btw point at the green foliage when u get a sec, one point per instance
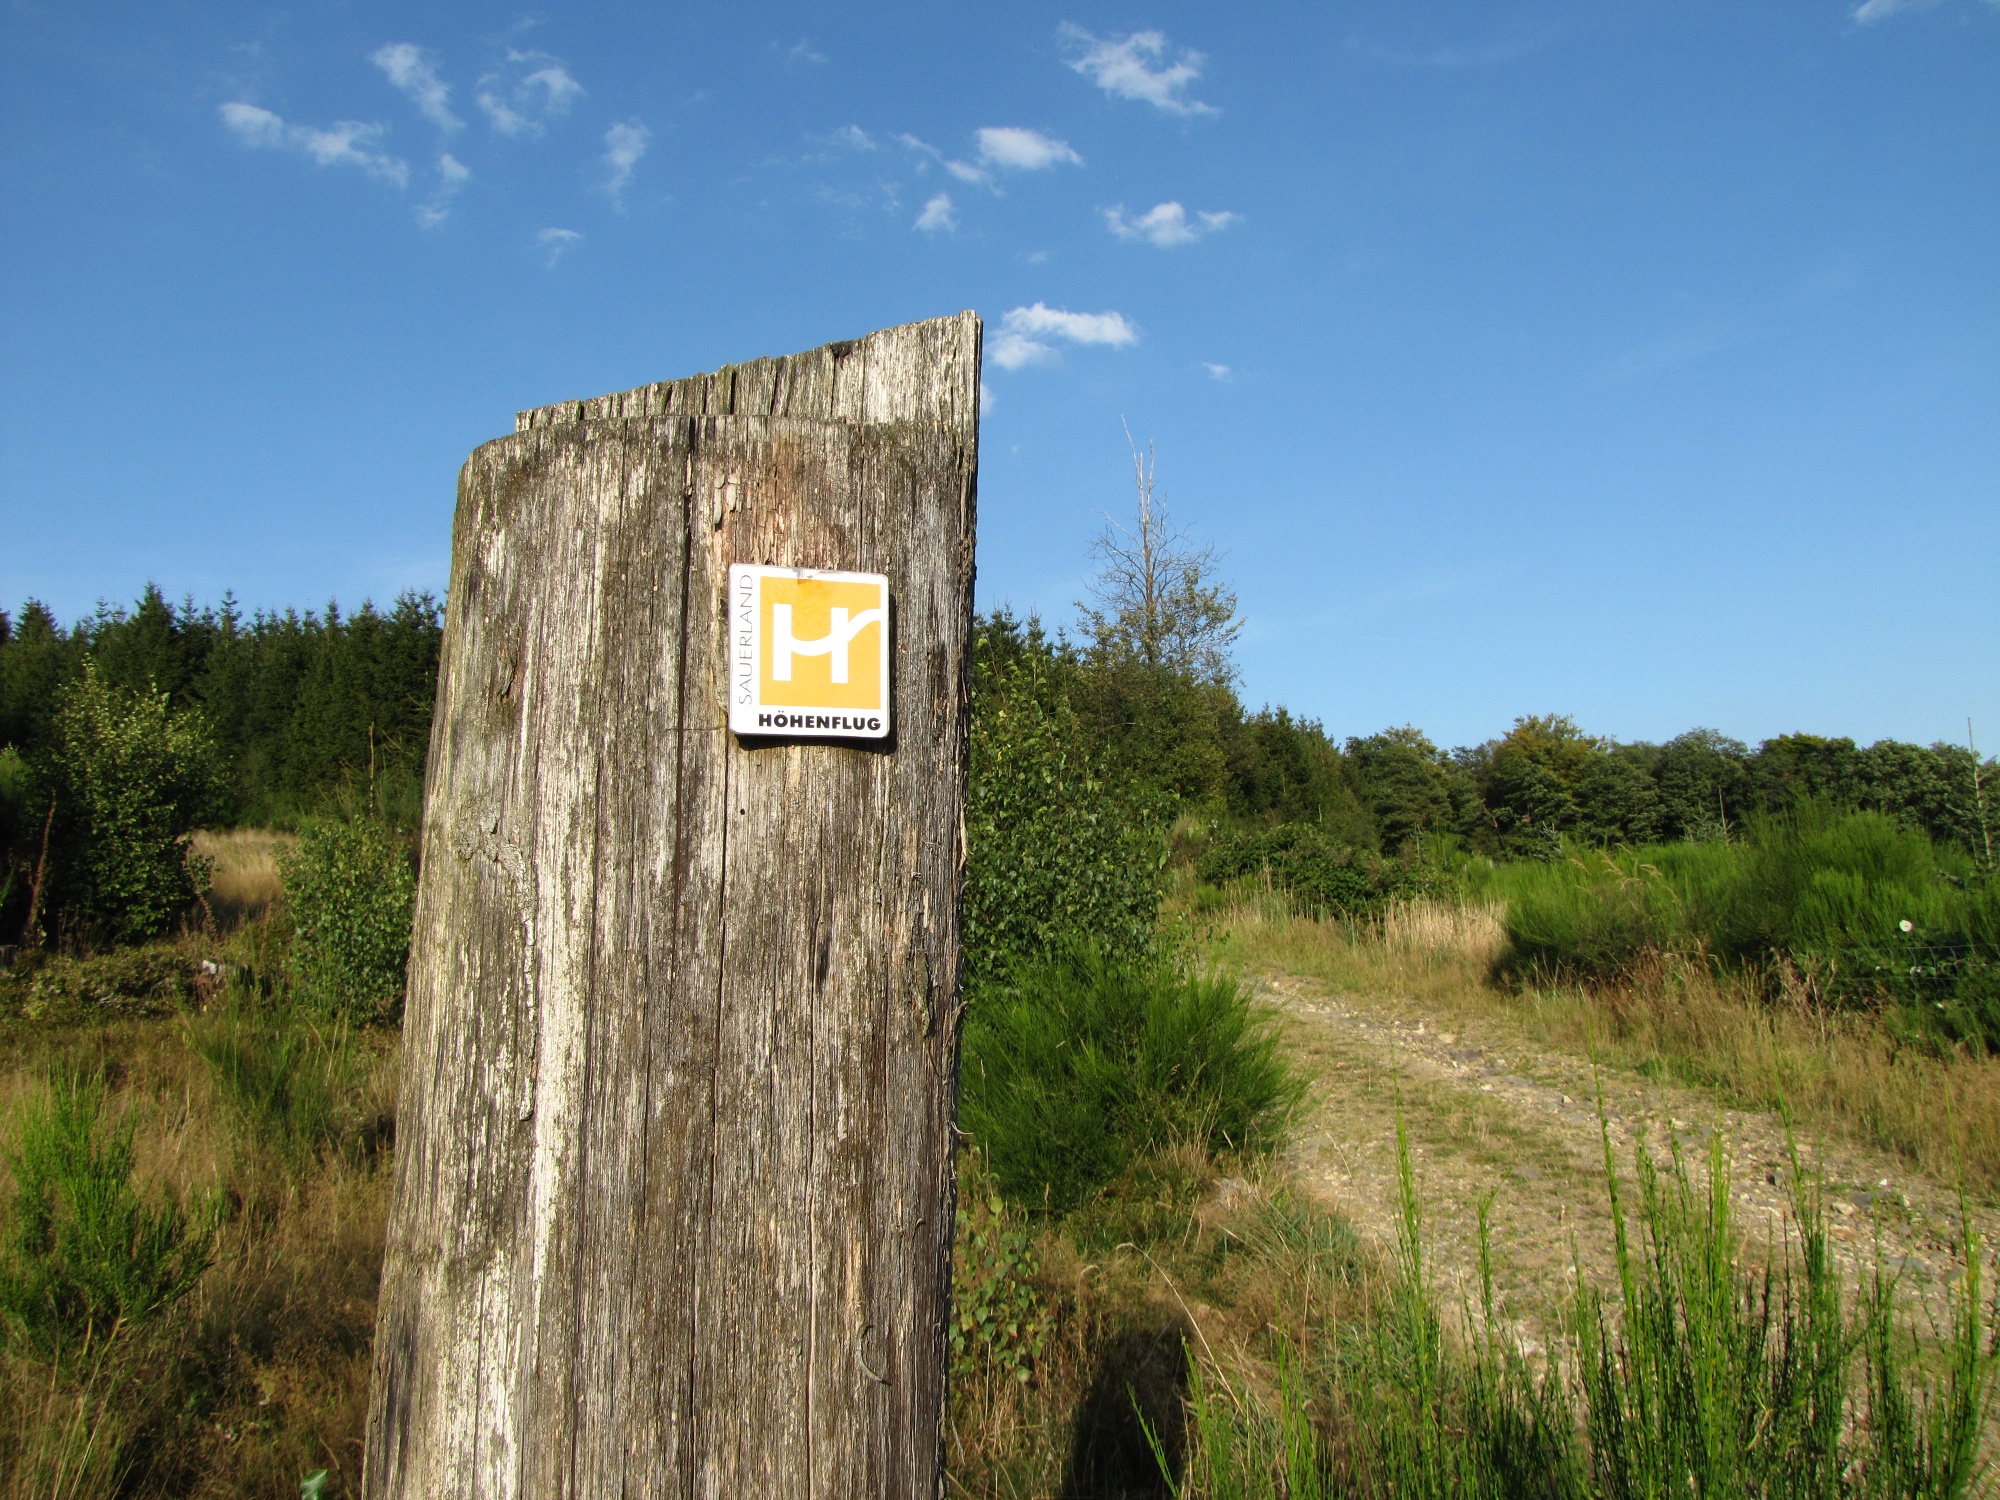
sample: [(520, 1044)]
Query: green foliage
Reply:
[(154, 980), (1868, 911), (1081, 1064), (1410, 788), (84, 1255), (999, 1319), (351, 895), (1057, 846), (129, 778), (1546, 780), (289, 1084), (1318, 872)]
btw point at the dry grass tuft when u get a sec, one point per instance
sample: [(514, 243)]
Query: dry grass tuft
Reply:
[(244, 880)]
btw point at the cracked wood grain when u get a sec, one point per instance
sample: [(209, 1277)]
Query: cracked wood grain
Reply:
[(673, 1200)]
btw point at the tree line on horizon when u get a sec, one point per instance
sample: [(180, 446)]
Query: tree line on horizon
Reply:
[(311, 712)]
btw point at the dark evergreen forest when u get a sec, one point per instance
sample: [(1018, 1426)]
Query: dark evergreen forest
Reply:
[(307, 708)]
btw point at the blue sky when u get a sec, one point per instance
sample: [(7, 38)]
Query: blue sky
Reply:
[(1639, 361)]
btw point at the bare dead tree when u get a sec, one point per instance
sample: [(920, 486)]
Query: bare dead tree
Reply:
[(1158, 599)]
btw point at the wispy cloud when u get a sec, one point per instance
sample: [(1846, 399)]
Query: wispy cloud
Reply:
[(1136, 67), (1018, 150), (556, 243), (1025, 331), (452, 175), (521, 97), (1002, 148), (1680, 347), (624, 144), (803, 53), (409, 70), (1218, 372), (1166, 224), (345, 143), (1871, 11), (938, 216)]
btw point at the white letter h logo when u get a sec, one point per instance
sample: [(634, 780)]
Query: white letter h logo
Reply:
[(784, 646)]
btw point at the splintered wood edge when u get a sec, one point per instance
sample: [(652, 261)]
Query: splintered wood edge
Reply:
[(918, 372)]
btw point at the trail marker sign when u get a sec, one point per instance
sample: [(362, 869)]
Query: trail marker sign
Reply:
[(809, 653)]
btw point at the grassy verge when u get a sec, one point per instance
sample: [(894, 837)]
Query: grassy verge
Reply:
[(266, 1134), (1849, 1073)]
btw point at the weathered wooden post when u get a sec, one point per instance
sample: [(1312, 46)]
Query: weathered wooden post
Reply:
[(673, 1199)]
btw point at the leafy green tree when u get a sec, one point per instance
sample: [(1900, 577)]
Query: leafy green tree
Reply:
[(129, 779), (1616, 801), (1796, 768), (1156, 692), (1286, 770), (1406, 784), (1704, 785), (1058, 845), (352, 896)]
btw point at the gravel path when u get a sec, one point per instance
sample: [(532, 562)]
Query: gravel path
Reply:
[(1488, 1111)]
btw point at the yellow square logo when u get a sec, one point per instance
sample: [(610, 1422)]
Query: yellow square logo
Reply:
[(809, 653)]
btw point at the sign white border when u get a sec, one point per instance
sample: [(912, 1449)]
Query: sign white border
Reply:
[(748, 713)]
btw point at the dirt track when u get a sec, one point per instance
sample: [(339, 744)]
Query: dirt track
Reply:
[(1490, 1112)]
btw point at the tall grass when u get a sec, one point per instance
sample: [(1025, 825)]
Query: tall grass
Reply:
[(85, 1255), (1711, 1380), (290, 1081), (256, 1374), (1083, 1064)]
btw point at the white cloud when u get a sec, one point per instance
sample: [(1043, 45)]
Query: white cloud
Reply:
[(1881, 10), (452, 175), (938, 215), (529, 91), (985, 398), (1127, 68), (1010, 148), (555, 243), (1020, 150), (1166, 224), (624, 144), (802, 52), (348, 143), (854, 138), (409, 70), (1024, 330), (1218, 372)]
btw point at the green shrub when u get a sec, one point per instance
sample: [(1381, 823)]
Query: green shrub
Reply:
[(83, 1255), (1316, 870), (129, 779), (351, 896), (154, 980), (1870, 912), (999, 1320), (1081, 1064), (1058, 848)]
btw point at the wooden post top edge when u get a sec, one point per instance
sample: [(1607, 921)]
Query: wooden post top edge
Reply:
[(867, 380)]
